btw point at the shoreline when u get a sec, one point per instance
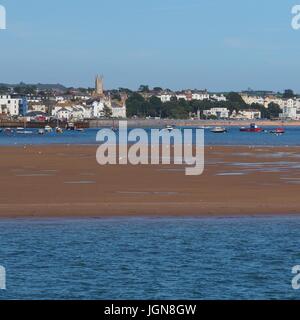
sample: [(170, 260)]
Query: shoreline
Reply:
[(65, 181), (147, 217), (155, 123)]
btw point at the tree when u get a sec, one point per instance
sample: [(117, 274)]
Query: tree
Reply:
[(235, 97), (134, 103), (3, 90), (144, 88), (158, 89), (125, 90), (274, 110), (288, 94), (156, 106)]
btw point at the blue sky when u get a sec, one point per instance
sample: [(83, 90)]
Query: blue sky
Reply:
[(214, 44)]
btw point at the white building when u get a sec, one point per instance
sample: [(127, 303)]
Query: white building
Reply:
[(119, 112), (218, 98), (165, 97), (200, 95), (248, 99), (38, 107), (250, 114), (290, 112), (181, 96), (9, 106), (221, 113), (71, 113)]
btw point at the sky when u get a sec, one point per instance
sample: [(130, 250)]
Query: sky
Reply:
[(206, 44)]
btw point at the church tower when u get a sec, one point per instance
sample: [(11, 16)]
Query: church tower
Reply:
[(99, 87)]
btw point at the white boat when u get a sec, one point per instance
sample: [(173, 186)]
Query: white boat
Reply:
[(169, 128), (59, 130), (41, 131), (218, 130), (48, 129), (23, 131)]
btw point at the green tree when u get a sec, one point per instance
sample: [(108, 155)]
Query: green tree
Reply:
[(134, 104), (144, 88), (288, 94), (274, 110)]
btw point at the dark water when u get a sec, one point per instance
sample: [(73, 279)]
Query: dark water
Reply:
[(233, 137), (150, 258)]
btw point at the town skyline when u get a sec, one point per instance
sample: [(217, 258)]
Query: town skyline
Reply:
[(41, 84)]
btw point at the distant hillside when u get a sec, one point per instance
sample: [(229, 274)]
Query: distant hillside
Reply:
[(39, 86)]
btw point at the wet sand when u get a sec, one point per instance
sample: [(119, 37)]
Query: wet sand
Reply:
[(63, 181)]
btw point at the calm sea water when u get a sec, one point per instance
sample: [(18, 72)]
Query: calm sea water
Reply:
[(150, 258), (233, 137)]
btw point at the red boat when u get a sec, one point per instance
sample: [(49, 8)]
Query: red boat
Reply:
[(278, 131), (253, 128)]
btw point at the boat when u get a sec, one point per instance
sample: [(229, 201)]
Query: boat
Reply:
[(70, 126), (80, 130), (278, 131), (205, 127), (23, 131), (8, 130), (48, 129), (169, 128), (59, 130), (218, 130), (41, 131), (253, 128)]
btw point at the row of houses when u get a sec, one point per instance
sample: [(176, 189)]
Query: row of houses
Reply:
[(290, 107), (62, 108), (224, 113), (190, 95)]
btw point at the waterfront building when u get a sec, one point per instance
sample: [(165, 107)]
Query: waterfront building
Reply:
[(290, 113), (9, 105), (220, 113), (249, 114)]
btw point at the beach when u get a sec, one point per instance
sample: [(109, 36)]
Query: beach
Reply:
[(66, 181)]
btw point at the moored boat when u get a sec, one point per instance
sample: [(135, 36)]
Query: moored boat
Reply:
[(48, 129), (169, 128), (278, 131), (23, 131), (59, 130), (218, 130), (253, 128), (8, 130), (70, 126)]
